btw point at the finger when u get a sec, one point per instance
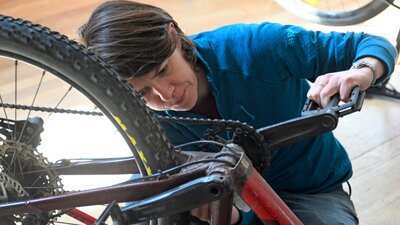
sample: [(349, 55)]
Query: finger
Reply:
[(315, 92), (206, 212), (344, 92), (326, 94), (235, 215), (202, 212), (195, 212)]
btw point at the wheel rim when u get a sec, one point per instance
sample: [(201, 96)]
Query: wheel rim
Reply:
[(335, 13)]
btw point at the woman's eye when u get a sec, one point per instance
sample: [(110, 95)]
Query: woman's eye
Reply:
[(163, 70), (142, 93)]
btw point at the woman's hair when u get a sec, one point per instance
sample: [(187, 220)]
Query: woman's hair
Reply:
[(132, 37)]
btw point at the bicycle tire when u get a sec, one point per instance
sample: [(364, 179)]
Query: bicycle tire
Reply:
[(334, 18), (39, 46)]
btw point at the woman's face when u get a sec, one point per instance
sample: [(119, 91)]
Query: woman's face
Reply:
[(172, 86)]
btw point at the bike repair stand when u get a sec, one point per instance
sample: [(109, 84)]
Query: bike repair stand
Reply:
[(386, 89)]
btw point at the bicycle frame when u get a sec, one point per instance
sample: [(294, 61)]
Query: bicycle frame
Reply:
[(205, 178)]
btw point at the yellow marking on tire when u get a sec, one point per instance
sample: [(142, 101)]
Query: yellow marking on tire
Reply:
[(120, 123), (133, 141), (144, 160)]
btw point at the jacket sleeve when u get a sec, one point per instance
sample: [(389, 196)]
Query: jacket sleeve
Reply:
[(308, 54), (277, 52), (317, 53)]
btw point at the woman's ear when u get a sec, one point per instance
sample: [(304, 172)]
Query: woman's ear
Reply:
[(171, 28)]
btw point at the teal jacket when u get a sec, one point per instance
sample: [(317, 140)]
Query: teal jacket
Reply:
[(258, 74)]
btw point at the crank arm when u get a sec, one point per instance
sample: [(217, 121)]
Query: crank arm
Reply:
[(283, 134), (182, 198), (313, 121)]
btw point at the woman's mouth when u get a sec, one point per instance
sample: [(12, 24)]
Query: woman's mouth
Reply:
[(181, 99)]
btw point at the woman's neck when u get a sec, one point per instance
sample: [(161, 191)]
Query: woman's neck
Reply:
[(203, 88), (207, 107), (206, 104)]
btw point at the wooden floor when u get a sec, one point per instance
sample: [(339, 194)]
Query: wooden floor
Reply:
[(372, 137)]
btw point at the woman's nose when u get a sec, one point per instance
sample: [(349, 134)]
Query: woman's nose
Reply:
[(163, 91)]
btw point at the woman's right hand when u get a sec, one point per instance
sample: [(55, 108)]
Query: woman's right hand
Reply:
[(204, 213)]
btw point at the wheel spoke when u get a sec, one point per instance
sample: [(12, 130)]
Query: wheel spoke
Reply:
[(62, 99), (15, 95), (32, 103)]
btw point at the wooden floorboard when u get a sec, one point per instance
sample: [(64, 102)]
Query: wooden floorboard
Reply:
[(372, 136), (377, 168)]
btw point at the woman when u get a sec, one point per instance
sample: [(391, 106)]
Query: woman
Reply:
[(254, 73)]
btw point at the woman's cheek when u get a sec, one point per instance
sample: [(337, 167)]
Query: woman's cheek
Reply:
[(154, 104)]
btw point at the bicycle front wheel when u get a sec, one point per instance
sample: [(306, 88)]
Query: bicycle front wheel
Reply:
[(61, 105), (335, 13)]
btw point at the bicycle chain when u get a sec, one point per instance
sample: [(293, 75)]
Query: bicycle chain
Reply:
[(244, 135), (47, 109)]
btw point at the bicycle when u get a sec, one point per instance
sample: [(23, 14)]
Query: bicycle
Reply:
[(337, 13), (344, 13), (31, 188)]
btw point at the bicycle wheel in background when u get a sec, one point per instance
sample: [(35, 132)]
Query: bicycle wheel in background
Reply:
[(58, 101), (336, 12)]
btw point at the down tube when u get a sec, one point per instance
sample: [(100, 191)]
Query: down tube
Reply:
[(267, 205)]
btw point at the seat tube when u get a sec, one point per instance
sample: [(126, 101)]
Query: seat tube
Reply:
[(264, 201), (259, 195)]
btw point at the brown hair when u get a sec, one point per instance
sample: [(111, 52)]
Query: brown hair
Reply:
[(132, 37)]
